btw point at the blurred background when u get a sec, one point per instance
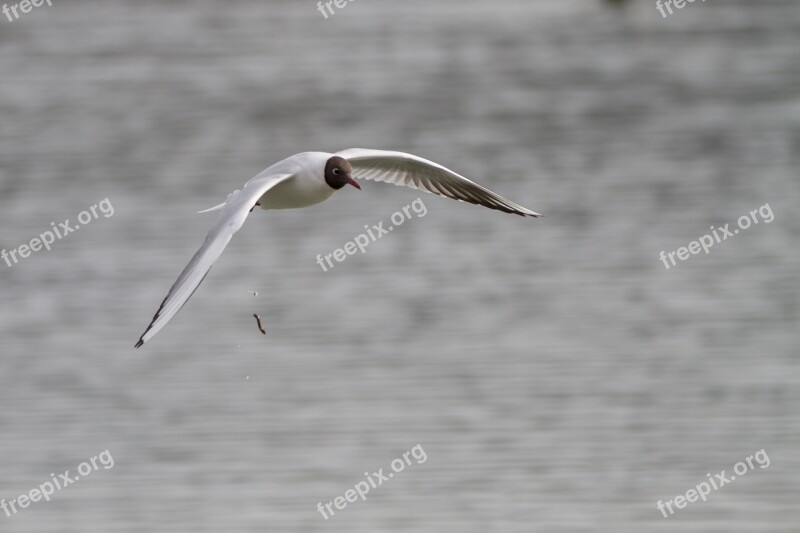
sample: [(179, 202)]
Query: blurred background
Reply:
[(558, 377)]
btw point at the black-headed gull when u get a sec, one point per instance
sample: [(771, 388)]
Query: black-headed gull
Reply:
[(309, 178)]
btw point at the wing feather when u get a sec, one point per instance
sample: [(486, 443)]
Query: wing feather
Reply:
[(234, 213), (415, 172)]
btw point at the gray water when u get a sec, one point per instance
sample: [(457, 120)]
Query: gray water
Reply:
[(558, 377)]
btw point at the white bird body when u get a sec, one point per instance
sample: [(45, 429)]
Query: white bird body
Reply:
[(309, 178), (308, 187)]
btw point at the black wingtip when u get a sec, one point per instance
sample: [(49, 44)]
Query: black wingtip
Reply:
[(139, 344)]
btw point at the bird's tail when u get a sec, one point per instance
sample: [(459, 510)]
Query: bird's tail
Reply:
[(215, 208)]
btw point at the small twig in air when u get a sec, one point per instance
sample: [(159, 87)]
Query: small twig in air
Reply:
[(258, 322)]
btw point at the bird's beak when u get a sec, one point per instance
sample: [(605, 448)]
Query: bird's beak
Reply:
[(353, 182)]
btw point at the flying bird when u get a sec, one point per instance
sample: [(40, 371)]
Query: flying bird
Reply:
[(309, 178)]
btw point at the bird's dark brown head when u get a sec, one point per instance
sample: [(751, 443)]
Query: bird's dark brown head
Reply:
[(337, 173)]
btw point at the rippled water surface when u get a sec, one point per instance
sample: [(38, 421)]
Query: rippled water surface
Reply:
[(558, 377)]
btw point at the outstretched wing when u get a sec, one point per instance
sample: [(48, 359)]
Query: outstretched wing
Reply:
[(235, 211), (418, 173)]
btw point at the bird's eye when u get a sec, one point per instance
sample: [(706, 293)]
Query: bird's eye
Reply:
[(336, 171)]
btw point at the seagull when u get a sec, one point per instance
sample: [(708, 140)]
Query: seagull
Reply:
[(309, 178)]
